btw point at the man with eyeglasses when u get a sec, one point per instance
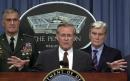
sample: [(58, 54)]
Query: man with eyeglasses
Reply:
[(17, 50)]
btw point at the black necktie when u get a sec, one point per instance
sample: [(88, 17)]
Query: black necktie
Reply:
[(65, 60), (95, 58), (12, 43)]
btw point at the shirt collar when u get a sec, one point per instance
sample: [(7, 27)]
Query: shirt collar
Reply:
[(99, 49), (15, 37), (62, 51)]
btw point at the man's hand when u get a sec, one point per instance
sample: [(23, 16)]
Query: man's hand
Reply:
[(118, 65), (17, 62)]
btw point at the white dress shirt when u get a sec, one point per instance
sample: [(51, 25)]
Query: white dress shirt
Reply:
[(69, 56), (15, 39)]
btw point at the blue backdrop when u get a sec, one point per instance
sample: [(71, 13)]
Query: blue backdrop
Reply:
[(115, 12)]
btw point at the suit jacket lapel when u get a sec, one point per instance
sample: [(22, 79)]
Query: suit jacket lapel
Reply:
[(75, 60), (56, 58), (102, 58), (90, 51)]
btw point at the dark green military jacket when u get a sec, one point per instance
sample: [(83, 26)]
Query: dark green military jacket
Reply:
[(26, 48)]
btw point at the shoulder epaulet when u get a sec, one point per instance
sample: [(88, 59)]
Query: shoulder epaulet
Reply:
[(27, 35)]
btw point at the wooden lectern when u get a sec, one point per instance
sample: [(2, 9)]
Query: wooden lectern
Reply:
[(38, 76)]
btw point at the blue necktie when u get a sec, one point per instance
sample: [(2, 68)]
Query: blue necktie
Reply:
[(95, 62)]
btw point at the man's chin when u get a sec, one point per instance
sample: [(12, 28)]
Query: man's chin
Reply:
[(66, 48), (12, 32), (97, 45)]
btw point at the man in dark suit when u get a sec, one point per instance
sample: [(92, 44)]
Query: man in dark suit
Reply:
[(104, 55), (56, 58), (17, 50)]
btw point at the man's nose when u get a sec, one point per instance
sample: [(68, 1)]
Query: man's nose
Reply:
[(66, 37), (12, 21), (97, 36)]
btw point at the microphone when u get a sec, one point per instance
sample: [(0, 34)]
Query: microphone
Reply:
[(61, 63), (64, 64)]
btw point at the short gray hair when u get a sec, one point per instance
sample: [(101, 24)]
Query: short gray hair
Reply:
[(98, 25), (66, 24), (10, 10)]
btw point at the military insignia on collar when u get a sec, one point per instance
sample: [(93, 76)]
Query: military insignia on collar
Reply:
[(26, 50), (63, 74)]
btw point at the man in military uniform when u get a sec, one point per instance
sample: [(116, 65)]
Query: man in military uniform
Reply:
[(17, 50)]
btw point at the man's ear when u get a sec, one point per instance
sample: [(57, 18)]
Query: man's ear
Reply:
[(2, 22), (89, 34), (74, 38), (105, 37)]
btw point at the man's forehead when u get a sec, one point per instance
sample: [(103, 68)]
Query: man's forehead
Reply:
[(10, 15)]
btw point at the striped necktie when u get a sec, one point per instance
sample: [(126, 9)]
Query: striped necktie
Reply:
[(95, 58)]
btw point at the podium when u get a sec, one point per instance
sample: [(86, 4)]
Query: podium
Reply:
[(38, 76)]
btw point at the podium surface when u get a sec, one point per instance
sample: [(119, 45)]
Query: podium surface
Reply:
[(38, 76)]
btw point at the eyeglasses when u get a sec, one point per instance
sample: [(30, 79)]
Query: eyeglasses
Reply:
[(14, 19), (66, 35)]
